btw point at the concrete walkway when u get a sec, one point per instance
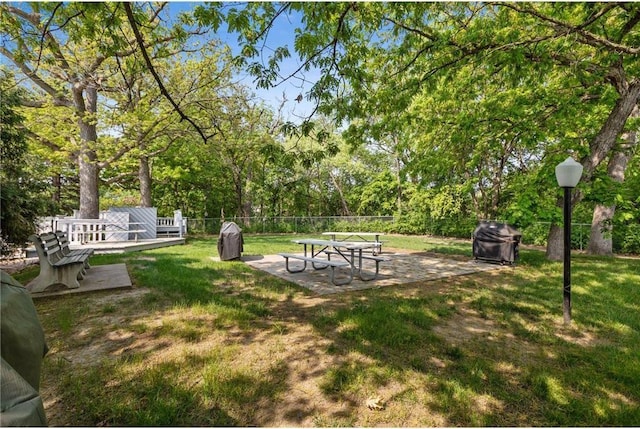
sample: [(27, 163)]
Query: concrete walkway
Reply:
[(402, 268)]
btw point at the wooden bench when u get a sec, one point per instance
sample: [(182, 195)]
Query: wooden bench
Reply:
[(66, 250), (324, 263), (55, 267), (167, 230), (375, 258)]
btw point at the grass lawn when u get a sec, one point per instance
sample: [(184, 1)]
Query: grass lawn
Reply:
[(205, 343)]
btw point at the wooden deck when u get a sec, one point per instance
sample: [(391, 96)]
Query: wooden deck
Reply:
[(118, 246), (130, 246)]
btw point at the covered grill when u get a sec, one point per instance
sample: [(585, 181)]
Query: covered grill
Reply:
[(230, 242), (497, 242)]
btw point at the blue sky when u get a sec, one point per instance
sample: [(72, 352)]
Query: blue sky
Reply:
[(282, 35)]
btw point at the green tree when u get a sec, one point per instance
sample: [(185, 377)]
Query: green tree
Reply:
[(145, 123), (20, 192), (69, 52), (376, 57)]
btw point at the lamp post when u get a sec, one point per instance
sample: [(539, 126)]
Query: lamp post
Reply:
[(568, 175)]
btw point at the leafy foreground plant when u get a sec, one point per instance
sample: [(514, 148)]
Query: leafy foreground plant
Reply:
[(205, 343)]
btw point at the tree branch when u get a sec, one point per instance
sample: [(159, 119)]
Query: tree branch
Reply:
[(58, 99), (588, 37), (163, 90), (629, 25), (34, 20), (44, 141)]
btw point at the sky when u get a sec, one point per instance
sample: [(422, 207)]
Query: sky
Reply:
[(290, 90)]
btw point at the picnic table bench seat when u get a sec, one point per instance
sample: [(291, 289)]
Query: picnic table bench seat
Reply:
[(372, 257), (56, 268), (323, 263)]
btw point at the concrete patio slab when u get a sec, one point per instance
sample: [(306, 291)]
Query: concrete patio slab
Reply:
[(98, 278), (401, 268)]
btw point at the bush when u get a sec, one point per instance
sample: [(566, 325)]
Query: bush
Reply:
[(626, 239), (535, 234)]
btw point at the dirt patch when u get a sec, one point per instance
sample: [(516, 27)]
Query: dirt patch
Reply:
[(581, 338), (285, 345), (466, 326), (115, 298)]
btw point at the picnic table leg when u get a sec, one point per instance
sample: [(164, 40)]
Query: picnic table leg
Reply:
[(363, 277), (347, 281), (333, 272), (313, 255), (304, 266), (353, 262)]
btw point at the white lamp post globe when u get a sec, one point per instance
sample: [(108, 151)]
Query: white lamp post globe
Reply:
[(568, 173)]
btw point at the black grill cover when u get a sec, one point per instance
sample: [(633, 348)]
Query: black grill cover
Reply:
[(230, 242), (498, 242)]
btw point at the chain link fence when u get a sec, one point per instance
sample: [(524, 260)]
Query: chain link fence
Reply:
[(534, 234), (290, 224)]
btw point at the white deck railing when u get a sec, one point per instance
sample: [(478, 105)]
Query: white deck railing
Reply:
[(82, 231)]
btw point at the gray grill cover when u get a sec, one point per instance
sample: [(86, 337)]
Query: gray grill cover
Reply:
[(497, 242), (22, 348), (230, 242)]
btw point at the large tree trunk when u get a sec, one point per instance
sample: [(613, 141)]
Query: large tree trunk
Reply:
[(603, 143), (88, 172), (600, 240), (144, 177), (57, 186), (399, 207), (555, 243), (87, 158)]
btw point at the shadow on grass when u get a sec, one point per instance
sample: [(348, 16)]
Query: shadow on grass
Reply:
[(503, 349), (478, 350)]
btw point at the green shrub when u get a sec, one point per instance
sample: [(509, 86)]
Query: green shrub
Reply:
[(535, 234), (626, 239)]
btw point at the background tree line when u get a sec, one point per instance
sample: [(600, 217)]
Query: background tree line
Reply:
[(446, 111)]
